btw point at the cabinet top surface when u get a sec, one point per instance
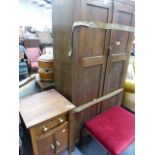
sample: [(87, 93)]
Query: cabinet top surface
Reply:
[(43, 106)]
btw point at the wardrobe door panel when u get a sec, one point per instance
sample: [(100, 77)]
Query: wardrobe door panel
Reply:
[(95, 10), (88, 74), (89, 61), (90, 52), (119, 50), (90, 48)]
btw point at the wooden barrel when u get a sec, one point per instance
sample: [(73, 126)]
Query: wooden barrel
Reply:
[(45, 64)]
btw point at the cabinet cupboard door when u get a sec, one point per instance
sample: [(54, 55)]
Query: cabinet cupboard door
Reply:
[(120, 47), (61, 138), (45, 144)]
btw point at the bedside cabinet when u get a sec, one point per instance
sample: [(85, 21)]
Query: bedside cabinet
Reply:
[(49, 119)]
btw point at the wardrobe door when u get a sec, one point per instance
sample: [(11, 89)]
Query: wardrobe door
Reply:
[(89, 56), (119, 52)]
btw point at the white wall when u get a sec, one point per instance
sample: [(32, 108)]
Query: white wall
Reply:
[(32, 15)]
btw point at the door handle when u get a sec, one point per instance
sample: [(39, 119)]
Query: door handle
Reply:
[(45, 128), (53, 148), (109, 50), (58, 143)]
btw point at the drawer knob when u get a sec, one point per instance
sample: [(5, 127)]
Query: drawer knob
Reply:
[(64, 130), (58, 143), (45, 128), (61, 120), (52, 146)]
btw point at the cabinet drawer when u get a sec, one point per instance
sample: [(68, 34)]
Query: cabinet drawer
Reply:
[(61, 138), (46, 126)]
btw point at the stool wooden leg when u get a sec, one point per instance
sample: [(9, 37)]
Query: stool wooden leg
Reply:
[(82, 137)]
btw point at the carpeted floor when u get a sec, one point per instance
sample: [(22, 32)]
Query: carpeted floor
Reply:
[(91, 148)]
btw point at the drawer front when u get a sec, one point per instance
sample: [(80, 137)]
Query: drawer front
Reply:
[(46, 126), (61, 138), (45, 144)]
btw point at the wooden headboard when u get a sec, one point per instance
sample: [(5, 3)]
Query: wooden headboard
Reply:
[(31, 43)]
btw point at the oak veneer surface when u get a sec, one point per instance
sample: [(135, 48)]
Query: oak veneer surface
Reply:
[(40, 107), (99, 59)]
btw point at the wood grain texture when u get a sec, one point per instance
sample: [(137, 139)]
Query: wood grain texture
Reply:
[(49, 124), (95, 101), (120, 44), (40, 107), (81, 78), (72, 122), (57, 136), (91, 61), (62, 20), (87, 82), (44, 64)]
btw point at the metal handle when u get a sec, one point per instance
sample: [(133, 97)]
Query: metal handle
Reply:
[(45, 128), (58, 143), (109, 50), (64, 130), (52, 146), (61, 120)]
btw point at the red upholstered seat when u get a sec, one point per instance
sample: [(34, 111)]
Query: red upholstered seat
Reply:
[(114, 128)]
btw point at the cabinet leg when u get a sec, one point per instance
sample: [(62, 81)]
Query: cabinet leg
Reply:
[(71, 133)]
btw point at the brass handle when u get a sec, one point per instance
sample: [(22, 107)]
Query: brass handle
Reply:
[(61, 120), (52, 146), (58, 143), (64, 130), (45, 128)]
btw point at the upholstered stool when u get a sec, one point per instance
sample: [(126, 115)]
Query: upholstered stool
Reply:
[(114, 129)]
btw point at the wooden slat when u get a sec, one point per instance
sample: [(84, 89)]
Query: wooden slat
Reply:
[(27, 80), (91, 103), (119, 57), (91, 61)]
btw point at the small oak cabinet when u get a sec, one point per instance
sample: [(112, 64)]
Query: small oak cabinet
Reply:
[(48, 117)]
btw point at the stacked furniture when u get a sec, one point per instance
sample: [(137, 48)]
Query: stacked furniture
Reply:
[(45, 64), (91, 57)]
